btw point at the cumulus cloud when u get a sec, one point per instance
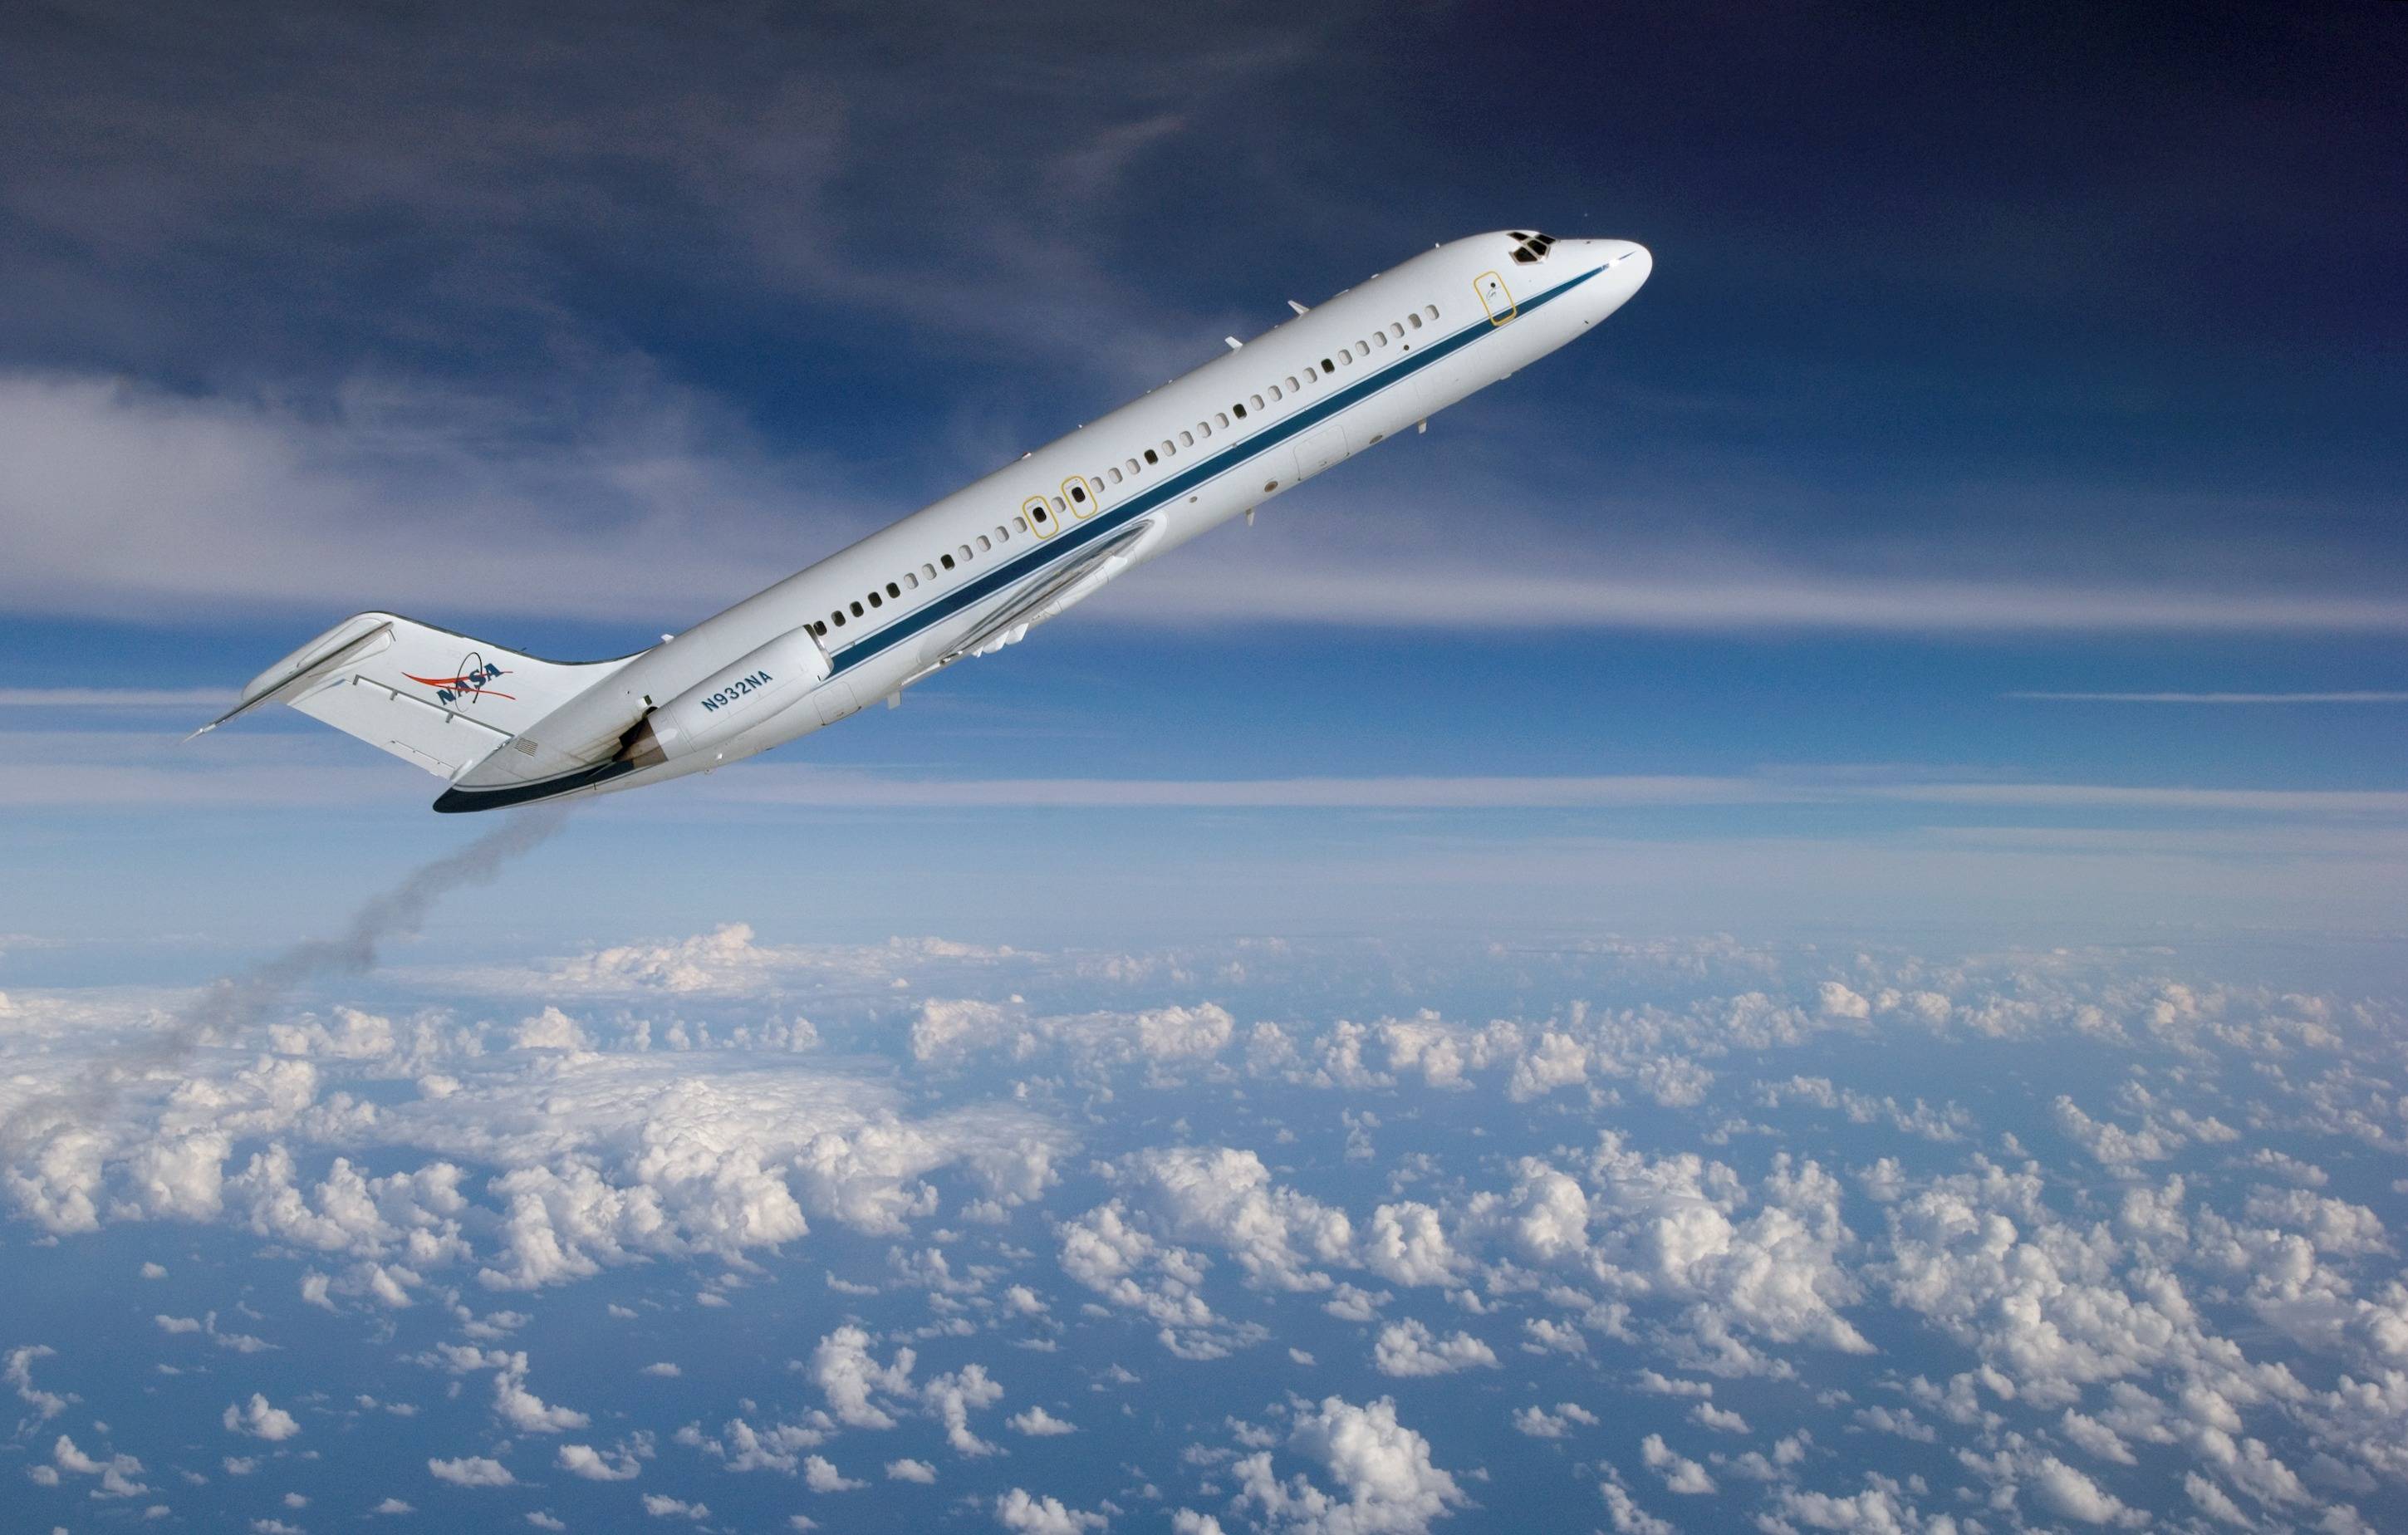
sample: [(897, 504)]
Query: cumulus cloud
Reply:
[(521, 1409), (1022, 1512), (1371, 1474), (260, 1420), (1538, 1422), (1410, 1348), (117, 1474), (586, 1461), (821, 1475), (474, 1470), (1039, 1424), (1678, 1472)]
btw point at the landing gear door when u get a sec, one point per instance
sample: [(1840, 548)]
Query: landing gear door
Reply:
[(1494, 298)]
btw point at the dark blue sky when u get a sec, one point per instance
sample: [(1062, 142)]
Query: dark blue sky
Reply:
[(2053, 350)]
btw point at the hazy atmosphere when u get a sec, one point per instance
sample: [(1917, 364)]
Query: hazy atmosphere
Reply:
[(1790, 921)]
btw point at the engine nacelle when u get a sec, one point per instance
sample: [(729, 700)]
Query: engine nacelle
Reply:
[(730, 701)]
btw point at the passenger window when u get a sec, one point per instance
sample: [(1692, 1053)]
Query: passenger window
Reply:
[(1188, 439), (948, 559), (984, 545), (892, 590), (1168, 450), (1224, 417), (874, 602), (1414, 321), (1345, 359), (929, 571), (1241, 411), (1114, 475), (1380, 336), (966, 554), (1430, 310), (1362, 351), (1275, 393), (1258, 399), (1078, 495), (1329, 367), (857, 610), (1203, 429), (1002, 535), (1291, 385), (1150, 457), (1396, 330), (1058, 506), (1134, 467), (839, 616)]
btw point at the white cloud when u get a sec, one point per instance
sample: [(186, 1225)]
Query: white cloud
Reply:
[(260, 1420), (777, 1447), (1038, 1424), (1538, 1422), (593, 1466), (821, 1475), (1379, 1474), (2070, 1495), (1410, 1348), (1020, 1511), (472, 1471), (911, 1471), (855, 1383), (662, 1507), (117, 1474), (523, 1409), (1407, 1244), (1679, 1473), (952, 1398)]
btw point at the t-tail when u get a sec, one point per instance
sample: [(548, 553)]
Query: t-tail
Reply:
[(437, 700)]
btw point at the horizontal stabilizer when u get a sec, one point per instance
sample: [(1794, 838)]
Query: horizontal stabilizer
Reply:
[(434, 698)]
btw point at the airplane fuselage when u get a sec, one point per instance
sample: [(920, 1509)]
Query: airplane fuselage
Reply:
[(973, 571)]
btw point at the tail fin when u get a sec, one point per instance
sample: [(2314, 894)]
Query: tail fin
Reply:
[(440, 700)]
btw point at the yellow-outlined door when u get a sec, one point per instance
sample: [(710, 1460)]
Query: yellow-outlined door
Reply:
[(1084, 498), (1039, 515), (1496, 298)]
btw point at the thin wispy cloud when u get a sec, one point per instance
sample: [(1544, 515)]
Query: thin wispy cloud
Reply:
[(2361, 697), (112, 697)]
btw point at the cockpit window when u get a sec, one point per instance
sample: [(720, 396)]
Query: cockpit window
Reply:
[(1533, 248)]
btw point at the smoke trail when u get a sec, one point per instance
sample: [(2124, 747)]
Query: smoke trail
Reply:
[(232, 1003)]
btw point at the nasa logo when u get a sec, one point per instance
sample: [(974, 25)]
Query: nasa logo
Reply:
[(467, 683)]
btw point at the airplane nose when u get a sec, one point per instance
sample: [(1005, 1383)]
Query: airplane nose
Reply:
[(1627, 260)]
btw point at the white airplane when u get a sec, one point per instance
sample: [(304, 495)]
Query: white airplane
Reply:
[(975, 571)]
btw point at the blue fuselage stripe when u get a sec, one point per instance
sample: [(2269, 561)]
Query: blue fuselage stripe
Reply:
[(1080, 535)]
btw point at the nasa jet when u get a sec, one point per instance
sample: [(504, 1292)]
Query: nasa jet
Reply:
[(975, 571)]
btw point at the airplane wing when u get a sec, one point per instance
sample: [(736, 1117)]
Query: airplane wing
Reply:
[(1057, 590)]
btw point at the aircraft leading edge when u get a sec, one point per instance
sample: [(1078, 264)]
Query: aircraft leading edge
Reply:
[(976, 570)]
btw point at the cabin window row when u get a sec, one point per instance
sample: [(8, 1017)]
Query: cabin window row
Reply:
[(911, 580), (1397, 330), (1081, 503)]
